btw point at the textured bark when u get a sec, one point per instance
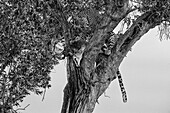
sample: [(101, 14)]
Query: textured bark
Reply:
[(87, 82)]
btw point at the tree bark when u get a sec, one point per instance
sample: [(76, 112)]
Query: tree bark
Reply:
[(87, 82)]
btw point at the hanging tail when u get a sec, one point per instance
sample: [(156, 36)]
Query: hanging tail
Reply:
[(124, 96)]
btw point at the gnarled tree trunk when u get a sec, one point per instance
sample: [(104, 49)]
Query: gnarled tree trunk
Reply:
[(89, 80)]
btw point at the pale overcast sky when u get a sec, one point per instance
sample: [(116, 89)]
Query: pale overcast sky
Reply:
[(146, 76)]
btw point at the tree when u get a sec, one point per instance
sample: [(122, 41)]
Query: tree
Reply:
[(37, 34)]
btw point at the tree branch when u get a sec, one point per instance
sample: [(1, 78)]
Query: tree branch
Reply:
[(99, 37), (140, 27), (22, 108)]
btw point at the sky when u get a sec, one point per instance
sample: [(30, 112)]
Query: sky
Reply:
[(146, 77)]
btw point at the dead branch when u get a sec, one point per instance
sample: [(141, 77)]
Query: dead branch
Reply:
[(22, 108)]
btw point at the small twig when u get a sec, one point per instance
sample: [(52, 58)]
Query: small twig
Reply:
[(44, 94), (22, 108), (97, 101), (106, 95)]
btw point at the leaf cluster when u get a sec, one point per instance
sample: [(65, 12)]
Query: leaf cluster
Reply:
[(29, 32)]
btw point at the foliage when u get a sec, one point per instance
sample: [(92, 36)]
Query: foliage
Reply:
[(162, 7), (83, 27), (29, 31)]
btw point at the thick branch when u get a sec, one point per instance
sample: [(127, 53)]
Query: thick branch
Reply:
[(94, 47), (97, 41), (140, 27)]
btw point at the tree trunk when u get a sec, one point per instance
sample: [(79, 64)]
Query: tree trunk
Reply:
[(88, 81)]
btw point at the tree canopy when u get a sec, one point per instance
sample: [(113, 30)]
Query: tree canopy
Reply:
[(36, 34)]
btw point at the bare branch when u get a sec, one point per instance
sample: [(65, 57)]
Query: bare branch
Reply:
[(22, 108), (44, 94), (106, 95)]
